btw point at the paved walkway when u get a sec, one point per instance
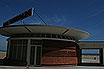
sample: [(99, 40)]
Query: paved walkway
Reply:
[(72, 67)]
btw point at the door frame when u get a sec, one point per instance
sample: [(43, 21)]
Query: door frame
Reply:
[(35, 54)]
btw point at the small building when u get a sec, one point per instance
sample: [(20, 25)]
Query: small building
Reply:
[(91, 52), (42, 45)]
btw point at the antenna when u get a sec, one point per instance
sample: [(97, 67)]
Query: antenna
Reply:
[(40, 17)]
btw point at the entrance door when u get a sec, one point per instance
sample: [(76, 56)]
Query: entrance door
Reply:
[(35, 55)]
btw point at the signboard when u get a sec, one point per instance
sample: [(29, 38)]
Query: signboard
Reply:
[(19, 17)]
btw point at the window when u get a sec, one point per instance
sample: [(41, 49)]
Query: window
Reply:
[(36, 42), (90, 56), (18, 49)]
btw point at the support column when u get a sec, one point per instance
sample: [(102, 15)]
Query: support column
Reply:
[(103, 56), (28, 52), (8, 49)]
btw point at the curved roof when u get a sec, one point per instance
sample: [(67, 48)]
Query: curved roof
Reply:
[(43, 29)]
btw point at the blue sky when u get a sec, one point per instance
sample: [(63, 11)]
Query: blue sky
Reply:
[(87, 15)]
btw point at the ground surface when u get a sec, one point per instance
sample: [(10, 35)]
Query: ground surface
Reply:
[(73, 67), (2, 55)]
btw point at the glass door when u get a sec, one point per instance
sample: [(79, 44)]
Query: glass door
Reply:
[(32, 55), (38, 55), (35, 55)]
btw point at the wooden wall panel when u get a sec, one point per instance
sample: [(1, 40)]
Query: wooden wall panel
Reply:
[(59, 53)]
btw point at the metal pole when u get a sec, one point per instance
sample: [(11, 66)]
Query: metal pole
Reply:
[(40, 17)]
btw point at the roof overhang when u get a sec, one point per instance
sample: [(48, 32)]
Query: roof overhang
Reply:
[(43, 29)]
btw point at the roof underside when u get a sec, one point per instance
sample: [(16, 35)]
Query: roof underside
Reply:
[(43, 29)]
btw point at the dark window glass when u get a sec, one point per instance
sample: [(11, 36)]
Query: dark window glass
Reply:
[(24, 52), (14, 52), (63, 37), (36, 42), (42, 35), (19, 52), (53, 36), (18, 49), (32, 55), (38, 56), (48, 36), (37, 35), (58, 36)]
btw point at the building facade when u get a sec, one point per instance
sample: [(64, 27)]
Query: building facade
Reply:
[(41, 45), (91, 52)]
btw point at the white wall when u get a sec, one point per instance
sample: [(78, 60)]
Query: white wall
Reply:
[(91, 44)]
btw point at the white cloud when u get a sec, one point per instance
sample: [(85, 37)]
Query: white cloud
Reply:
[(56, 20), (97, 13)]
